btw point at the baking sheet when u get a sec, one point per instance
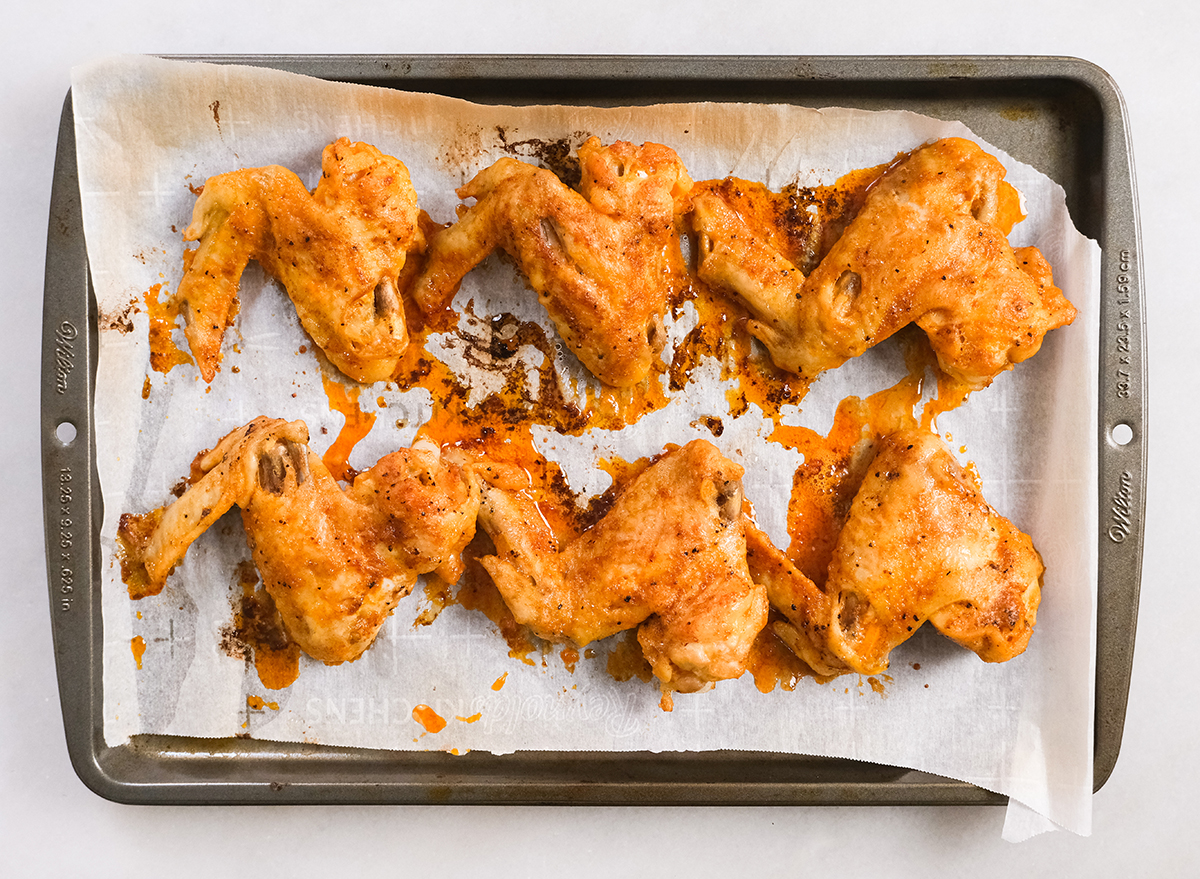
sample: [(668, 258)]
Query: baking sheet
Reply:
[(1030, 745)]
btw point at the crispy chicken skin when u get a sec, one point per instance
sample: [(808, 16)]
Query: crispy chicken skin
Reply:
[(922, 545), (338, 251), (669, 557), (928, 247), (334, 561), (598, 258)]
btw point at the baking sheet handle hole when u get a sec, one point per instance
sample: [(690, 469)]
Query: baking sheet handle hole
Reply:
[(65, 433), (1121, 434)]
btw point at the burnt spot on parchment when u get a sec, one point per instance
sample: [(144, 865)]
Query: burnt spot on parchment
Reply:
[(120, 320), (714, 424), (462, 150), (557, 155), (469, 146)]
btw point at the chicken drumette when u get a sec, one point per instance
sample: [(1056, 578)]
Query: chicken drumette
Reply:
[(334, 561), (669, 558), (929, 246), (338, 251), (598, 258)]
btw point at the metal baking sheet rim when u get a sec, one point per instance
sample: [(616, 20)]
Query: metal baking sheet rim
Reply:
[(160, 770)]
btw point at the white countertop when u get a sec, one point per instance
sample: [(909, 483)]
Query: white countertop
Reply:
[(51, 825)]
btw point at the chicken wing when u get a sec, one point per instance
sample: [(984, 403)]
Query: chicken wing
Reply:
[(334, 561), (928, 247), (921, 544), (669, 557), (338, 252), (598, 258)]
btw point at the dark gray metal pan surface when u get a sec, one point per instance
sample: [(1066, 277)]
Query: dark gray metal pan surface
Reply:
[(1063, 116)]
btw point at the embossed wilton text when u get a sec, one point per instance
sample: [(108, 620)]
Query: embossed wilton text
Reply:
[(64, 354), (1122, 510)]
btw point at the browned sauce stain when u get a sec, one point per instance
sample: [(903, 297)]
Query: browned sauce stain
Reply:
[(120, 321), (257, 632), (878, 685), (557, 154), (1020, 113), (477, 592)]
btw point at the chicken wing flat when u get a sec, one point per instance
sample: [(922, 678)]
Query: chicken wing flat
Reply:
[(669, 558), (338, 252), (598, 258), (929, 246), (334, 561), (922, 545)]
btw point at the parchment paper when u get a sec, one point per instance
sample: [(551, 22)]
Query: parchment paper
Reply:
[(148, 129)]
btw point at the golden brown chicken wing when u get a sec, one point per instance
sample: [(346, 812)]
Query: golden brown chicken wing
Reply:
[(669, 557), (598, 258), (928, 247), (922, 545), (334, 561), (338, 251)]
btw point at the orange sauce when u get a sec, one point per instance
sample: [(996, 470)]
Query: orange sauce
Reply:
[(357, 425), (277, 669), (824, 486), (165, 355), (138, 645), (626, 660), (570, 658), (438, 596), (429, 719), (258, 703), (951, 394), (478, 592), (133, 536), (772, 664), (498, 684), (472, 719)]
